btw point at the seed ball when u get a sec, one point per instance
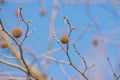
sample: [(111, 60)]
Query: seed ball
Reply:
[(96, 42), (16, 32), (73, 78), (64, 39), (3, 44), (42, 11)]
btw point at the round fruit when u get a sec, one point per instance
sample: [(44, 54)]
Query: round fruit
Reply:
[(42, 11), (16, 32), (64, 39), (3, 44), (95, 42)]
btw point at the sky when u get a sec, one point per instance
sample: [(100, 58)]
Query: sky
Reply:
[(104, 17)]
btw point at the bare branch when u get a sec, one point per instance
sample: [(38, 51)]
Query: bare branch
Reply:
[(10, 78), (13, 65), (34, 73), (83, 59), (27, 25), (8, 56), (64, 72), (60, 61), (66, 50), (109, 61)]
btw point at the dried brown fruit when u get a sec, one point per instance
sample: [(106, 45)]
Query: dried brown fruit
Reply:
[(95, 41), (42, 11), (3, 44), (16, 32), (73, 78), (64, 39)]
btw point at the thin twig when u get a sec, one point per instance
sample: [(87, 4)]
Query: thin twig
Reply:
[(57, 60), (19, 45), (9, 78), (51, 30), (109, 61), (13, 65), (83, 59), (3, 29), (64, 72), (118, 77), (86, 29), (8, 56), (27, 25), (66, 50), (37, 75)]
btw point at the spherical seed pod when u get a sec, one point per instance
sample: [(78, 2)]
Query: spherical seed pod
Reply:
[(42, 11), (3, 44), (95, 41), (73, 78), (64, 39), (16, 32)]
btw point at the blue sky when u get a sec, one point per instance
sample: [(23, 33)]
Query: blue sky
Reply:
[(80, 16)]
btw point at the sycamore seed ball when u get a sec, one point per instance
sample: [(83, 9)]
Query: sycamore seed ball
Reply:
[(96, 42), (73, 78), (3, 44), (64, 39), (16, 32), (42, 11)]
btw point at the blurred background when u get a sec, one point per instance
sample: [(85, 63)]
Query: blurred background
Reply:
[(96, 36)]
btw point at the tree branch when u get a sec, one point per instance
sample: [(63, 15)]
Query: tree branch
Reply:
[(13, 65)]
